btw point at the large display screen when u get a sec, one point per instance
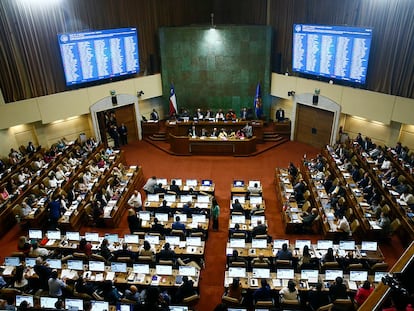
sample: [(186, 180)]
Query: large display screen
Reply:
[(334, 52), (95, 55)]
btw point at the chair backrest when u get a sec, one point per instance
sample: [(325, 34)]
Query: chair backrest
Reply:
[(327, 307), (260, 264), (349, 213), (242, 264), (386, 209), (379, 266), (283, 263), (355, 225), (306, 205), (306, 195), (125, 259), (264, 303), (179, 233), (238, 235), (165, 262), (395, 224)]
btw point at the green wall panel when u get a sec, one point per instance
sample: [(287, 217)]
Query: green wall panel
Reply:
[(216, 69)]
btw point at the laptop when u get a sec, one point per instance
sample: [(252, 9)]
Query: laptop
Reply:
[(256, 200), (241, 198), (187, 270), (96, 266), (30, 262), (183, 217), (53, 235), (124, 307), (238, 183), (119, 267), (237, 272), (35, 234), (254, 182), (75, 264), (238, 243), (162, 181), (178, 182), (311, 275), (153, 197), (141, 268), (206, 182), (277, 244), (162, 217), (178, 308), (238, 219), (286, 274), (331, 275), (72, 236), (191, 182), (261, 273), (54, 263), (131, 238), (184, 198), (172, 239), (299, 244), (197, 218), (92, 236), (358, 275), (11, 261), (27, 298), (347, 245), (203, 198), (164, 269), (48, 302), (170, 198), (259, 243), (152, 239), (254, 219), (369, 246), (144, 215), (98, 305), (112, 237), (74, 304), (193, 241), (378, 275), (324, 244)]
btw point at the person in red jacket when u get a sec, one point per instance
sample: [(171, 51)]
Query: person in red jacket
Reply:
[(363, 292)]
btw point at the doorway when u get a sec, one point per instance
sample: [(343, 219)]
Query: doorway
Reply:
[(313, 125)]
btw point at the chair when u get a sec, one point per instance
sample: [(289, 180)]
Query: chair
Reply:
[(326, 307), (230, 301), (355, 227), (343, 305), (241, 264), (354, 266), (145, 259), (329, 265), (306, 195), (349, 214), (80, 256), (238, 235), (290, 305), (264, 303), (385, 209), (179, 233), (258, 264), (379, 266), (90, 219), (394, 226), (198, 234), (281, 263), (127, 260), (306, 205), (191, 300)]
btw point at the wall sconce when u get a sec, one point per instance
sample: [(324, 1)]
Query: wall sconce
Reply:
[(291, 93), (140, 93), (212, 26), (113, 98)]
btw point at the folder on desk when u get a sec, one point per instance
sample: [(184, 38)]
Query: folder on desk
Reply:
[(352, 285), (254, 283), (109, 276)]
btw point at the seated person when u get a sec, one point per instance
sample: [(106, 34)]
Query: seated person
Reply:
[(289, 293), (23, 245), (174, 187), (338, 290), (307, 220), (147, 250), (154, 115), (237, 207), (385, 224), (235, 289), (363, 292), (104, 250), (257, 210), (280, 115), (199, 114), (166, 253), (343, 226), (85, 247), (260, 229), (317, 297), (248, 130), (262, 293), (164, 208), (192, 131), (255, 189), (230, 115), (236, 258), (237, 229), (220, 115), (124, 252), (329, 256), (185, 290), (284, 253), (159, 188), (214, 132), (222, 134), (157, 227), (38, 251), (261, 259), (134, 222), (187, 209), (178, 225), (132, 294)]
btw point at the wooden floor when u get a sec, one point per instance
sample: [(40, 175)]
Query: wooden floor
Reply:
[(222, 170)]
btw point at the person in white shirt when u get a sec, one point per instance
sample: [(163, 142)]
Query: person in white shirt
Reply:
[(21, 178), (343, 225), (255, 189), (135, 200), (408, 198), (220, 115), (26, 209), (60, 174), (87, 177), (149, 186), (52, 181), (38, 251)]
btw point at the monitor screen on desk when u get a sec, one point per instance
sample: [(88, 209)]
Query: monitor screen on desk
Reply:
[(144, 215), (164, 269), (112, 237), (178, 308), (254, 219), (162, 217), (238, 183), (331, 275), (360, 276), (256, 199), (53, 235), (203, 198), (172, 239), (54, 263), (191, 182), (92, 236), (178, 182), (153, 197), (35, 234), (142, 268), (124, 307), (187, 270), (27, 298), (253, 183), (162, 181), (309, 274), (170, 198), (47, 302), (184, 198), (72, 235), (119, 267), (378, 275), (259, 243), (277, 244), (75, 264), (30, 262), (369, 246), (238, 243), (207, 182), (237, 272), (244, 309), (12, 261), (193, 240), (299, 244), (74, 303), (183, 217), (199, 218), (285, 273), (98, 305), (96, 266), (261, 273), (347, 245), (238, 219), (152, 239), (324, 244), (131, 238), (241, 198)]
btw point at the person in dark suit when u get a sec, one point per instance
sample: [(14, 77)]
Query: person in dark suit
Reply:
[(284, 253), (154, 115), (43, 272), (164, 208), (185, 290), (260, 229), (237, 207), (178, 225), (157, 227), (243, 114), (30, 148), (174, 187), (280, 115), (134, 222), (124, 252), (338, 290), (166, 253), (123, 134)]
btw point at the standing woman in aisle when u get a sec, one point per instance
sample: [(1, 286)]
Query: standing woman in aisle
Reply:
[(215, 212)]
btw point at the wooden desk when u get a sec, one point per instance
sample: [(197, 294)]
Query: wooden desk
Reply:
[(282, 128), (149, 128)]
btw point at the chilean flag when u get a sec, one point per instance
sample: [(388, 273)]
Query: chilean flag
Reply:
[(173, 101), (258, 102)]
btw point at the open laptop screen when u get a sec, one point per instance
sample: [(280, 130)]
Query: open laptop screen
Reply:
[(141, 268), (331, 275), (237, 272), (369, 246), (285, 273)]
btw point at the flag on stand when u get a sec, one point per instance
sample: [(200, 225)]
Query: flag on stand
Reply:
[(173, 101), (258, 102)]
